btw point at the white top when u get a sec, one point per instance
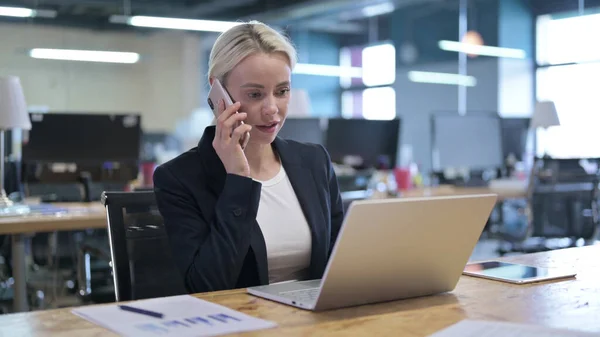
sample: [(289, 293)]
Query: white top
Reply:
[(285, 229)]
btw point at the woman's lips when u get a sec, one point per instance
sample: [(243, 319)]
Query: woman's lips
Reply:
[(268, 128)]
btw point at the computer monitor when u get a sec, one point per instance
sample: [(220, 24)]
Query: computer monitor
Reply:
[(373, 141), (82, 138), (514, 136), (305, 130), (473, 141)]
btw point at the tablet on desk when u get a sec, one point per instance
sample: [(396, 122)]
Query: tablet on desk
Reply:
[(515, 273)]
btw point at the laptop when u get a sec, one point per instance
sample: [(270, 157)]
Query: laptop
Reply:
[(391, 249)]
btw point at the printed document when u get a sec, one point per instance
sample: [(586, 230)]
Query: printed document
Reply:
[(180, 316)]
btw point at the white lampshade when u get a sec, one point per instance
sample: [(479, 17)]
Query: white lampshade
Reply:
[(13, 109), (545, 115)]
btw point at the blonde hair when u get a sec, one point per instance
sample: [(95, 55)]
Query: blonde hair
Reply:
[(243, 40)]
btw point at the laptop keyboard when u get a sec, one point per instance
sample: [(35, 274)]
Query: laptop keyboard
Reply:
[(302, 295)]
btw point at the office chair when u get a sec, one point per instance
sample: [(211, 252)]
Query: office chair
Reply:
[(142, 263), (563, 203), (94, 272)]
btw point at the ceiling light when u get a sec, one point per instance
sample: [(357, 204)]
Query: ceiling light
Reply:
[(379, 9), (84, 55), (17, 12), (327, 70), (474, 49), (441, 78), (174, 23)]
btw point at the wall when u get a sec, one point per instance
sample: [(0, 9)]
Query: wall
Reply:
[(416, 102), (323, 91), (516, 76), (424, 27), (163, 86)]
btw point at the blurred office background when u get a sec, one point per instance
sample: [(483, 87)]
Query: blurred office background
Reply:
[(410, 97)]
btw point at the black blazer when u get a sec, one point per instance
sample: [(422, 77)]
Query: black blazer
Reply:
[(210, 216)]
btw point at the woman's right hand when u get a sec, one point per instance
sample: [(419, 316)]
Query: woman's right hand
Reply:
[(227, 139)]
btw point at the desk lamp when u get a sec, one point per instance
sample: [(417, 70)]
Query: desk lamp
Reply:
[(544, 116), (13, 115)]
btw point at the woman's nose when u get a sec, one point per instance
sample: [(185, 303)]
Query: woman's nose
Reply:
[(270, 106)]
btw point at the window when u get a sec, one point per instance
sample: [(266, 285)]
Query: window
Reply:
[(369, 97), (379, 65), (574, 90), (373, 103), (567, 40), (572, 87), (379, 103)]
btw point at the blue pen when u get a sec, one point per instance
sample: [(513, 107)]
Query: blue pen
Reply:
[(141, 311)]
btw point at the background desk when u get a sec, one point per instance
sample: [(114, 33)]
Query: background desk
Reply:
[(83, 216), (448, 190), (573, 303)]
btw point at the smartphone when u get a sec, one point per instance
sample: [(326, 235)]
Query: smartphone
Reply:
[(515, 273), (215, 95)]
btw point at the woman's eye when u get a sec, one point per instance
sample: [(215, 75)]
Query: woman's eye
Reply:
[(254, 95), (283, 92)]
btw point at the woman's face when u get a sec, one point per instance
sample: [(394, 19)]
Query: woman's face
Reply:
[(261, 83)]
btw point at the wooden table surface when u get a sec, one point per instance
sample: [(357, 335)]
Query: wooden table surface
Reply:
[(80, 216), (448, 190), (572, 303)]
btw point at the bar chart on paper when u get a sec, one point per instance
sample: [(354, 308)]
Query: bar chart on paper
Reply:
[(180, 316)]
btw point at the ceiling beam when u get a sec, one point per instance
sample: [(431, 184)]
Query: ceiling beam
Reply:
[(217, 6), (333, 27), (116, 5), (319, 9)]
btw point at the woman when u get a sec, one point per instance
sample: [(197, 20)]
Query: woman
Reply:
[(267, 213)]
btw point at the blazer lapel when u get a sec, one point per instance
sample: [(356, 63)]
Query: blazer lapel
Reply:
[(304, 185)]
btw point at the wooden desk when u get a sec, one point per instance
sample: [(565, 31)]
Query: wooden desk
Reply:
[(448, 190), (573, 303), (80, 216)]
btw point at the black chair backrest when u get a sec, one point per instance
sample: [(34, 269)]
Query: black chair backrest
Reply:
[(142, 263), (564, 201)]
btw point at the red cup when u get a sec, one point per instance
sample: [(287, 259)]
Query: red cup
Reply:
[(403, 178), (148, 173)]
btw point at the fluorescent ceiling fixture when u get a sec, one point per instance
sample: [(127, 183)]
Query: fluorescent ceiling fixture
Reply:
[(327, 70), (17, 12), (84, 55), (379, 9), (441, 78), (468, 48), (379, 65), (174, 23)]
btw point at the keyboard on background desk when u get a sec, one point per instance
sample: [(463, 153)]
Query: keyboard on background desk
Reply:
[(25, 210)]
